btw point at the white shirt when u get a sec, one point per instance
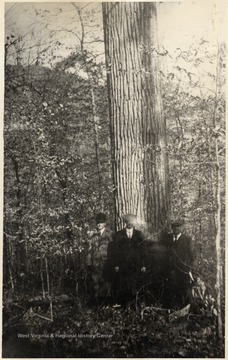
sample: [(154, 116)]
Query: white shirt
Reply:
[(176, 237), (101, 231), (129, 233)]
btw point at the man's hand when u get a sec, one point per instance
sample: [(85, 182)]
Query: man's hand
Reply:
[(117, 268), (143, 269)]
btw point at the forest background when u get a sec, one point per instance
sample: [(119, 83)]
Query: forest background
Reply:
[(57, 165)]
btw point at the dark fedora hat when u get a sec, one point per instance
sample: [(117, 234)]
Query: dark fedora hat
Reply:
[(176, 223), (101, 218)]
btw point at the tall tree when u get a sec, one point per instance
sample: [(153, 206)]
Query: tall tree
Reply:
[(140, 168)]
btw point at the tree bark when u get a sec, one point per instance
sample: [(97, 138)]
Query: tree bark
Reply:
[(138, 135), (219, 285)]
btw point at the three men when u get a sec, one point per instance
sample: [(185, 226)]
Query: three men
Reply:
[(118, 263)]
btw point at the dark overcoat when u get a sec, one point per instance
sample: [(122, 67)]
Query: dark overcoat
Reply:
[(180, 261), (180, 254), (128, 255)]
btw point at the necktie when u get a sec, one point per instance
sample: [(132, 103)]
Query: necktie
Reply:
[(129, 234)]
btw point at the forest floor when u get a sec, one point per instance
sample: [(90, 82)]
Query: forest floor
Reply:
[(76, 330)]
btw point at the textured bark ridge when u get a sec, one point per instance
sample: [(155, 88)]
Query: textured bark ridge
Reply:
[(140, 170)]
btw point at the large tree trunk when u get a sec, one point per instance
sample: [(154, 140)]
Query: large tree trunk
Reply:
[(138, 136)]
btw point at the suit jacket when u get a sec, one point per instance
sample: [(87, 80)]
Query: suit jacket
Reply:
[(127, 254), (180, 254)]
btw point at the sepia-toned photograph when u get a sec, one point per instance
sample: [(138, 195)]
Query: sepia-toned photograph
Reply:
[(114, 179)]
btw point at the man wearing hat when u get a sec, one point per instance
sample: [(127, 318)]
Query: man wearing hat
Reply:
[(180, 261), (126, 260), (97, 258)]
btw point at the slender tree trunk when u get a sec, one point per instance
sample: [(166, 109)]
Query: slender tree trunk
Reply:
[(96, 142), (219, 284), (93, 102), (138, 136), (42, 276), (20, 244), (218, 245), (8, 279), (63, 183), (49, 289)]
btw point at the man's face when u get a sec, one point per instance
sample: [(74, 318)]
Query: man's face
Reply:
[(129, 225), (176, 230), (101, 226)]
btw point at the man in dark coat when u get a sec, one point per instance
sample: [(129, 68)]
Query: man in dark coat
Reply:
[(97, 258), (180, 262), (126, 261)]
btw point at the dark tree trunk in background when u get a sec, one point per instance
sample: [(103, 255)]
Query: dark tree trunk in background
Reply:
[(140, 168)]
